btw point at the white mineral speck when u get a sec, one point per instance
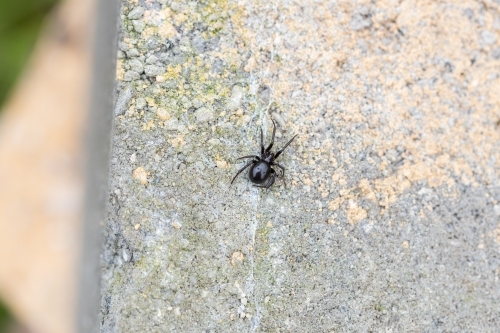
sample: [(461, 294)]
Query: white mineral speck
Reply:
[(236, 96), (125, 255)]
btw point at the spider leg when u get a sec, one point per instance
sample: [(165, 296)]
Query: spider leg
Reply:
[(263, 185), (271, 181), (241, 170), (248, 156), (268, 149), (281, 150), (261, 143), (281, 167)]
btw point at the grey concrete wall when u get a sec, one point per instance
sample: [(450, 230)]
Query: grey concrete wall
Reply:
[(387, 219)]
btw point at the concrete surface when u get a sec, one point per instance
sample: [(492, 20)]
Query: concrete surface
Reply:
[(388, 219)]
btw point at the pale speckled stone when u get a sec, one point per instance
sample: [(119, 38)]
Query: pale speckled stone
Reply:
[(172, 124), (153, 70), (138, 25), (204, 114), (151, 60), (234, 101), (131, 76), (136, 13), (132, 53), (136, 65)]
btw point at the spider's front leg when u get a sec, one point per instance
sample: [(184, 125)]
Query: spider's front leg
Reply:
[(241, 170), (281, 167), (248, 156)]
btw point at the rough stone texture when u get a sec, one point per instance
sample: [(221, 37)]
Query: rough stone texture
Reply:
[(389, 220)]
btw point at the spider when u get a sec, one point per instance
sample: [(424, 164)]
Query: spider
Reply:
[(262, 173)]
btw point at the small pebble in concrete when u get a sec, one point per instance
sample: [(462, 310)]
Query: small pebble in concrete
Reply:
[(141, 175), (136, 65), (235, 100), (172, 124), (162, 114), (136, 13), (204, 114), (131, 76), (153, 70)]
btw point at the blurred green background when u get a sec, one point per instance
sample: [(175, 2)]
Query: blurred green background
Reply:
[(20, 24), (5, 319)]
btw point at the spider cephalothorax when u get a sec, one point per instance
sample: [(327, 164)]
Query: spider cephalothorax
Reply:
[(261, 172)]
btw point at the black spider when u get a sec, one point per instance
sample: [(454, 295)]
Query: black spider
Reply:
[(262, 167)]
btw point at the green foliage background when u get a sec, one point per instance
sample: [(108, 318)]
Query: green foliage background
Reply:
[(20, 22)]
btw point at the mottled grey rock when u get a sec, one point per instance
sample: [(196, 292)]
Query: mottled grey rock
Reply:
[(123, 46), (122, 100), (204, 114), (136, 13), (197, 103), (140, 103), (136, 65), (138, 25), (496, 53), (131, 76), (152, 59), (362, 19), (488, 37), (172, 124), (153, 70), (132, 53)]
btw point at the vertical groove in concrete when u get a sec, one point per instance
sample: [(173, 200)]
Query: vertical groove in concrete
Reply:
[(98, 145)]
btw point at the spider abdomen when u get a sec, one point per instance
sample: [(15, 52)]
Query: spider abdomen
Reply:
[(259, 172)]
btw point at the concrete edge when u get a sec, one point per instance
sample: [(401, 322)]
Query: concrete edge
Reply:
[(98, 143)]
